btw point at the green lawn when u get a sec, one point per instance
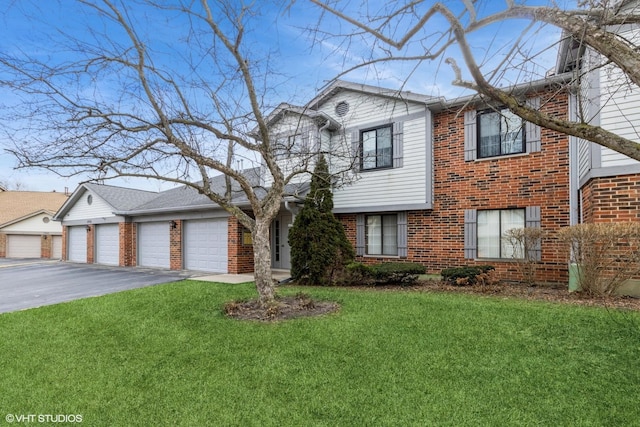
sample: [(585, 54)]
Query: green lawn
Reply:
[(165, 355)]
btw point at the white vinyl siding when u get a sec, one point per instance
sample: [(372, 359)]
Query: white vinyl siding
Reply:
[(406, 182), (153, 244), (23, 246), (82, 210), (205, 245), (107, 244), (77, 243)]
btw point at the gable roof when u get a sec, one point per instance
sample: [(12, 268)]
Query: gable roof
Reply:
[(29, 215), (119, 198), (342, 85), (20, 204)]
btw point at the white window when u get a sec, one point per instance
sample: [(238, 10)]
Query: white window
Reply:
[(382, 234), (492, 224)]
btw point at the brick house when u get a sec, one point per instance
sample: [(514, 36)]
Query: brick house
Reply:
[(418, 179)]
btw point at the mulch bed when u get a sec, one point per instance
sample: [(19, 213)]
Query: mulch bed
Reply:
[(301, 305), (559, 294)]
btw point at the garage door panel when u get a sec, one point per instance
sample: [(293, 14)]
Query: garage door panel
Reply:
[(56, 247), (205, 245), (153, 244), (107, 244), (77, 244), (23, 246)]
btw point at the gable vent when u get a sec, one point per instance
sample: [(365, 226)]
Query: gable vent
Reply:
[(342, 108)]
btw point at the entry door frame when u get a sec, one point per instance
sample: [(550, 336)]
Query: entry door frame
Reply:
[(280, 249)]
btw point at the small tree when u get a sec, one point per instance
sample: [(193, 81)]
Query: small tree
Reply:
[(319, 245)]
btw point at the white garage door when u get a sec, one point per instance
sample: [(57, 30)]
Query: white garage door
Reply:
[(56, 247), (77, 243), (23, 246), (205, 245), (153, 244), (107, 244)]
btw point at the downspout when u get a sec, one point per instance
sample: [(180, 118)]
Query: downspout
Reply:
[(320, 129)]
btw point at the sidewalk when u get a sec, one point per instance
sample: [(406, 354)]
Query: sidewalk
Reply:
[(239, 278)]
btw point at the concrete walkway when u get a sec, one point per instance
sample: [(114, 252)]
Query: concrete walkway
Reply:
[(239, 278)]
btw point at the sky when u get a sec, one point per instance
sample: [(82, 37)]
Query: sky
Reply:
[(302, 62)]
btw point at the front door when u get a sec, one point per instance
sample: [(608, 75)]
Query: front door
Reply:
[(280, 250)]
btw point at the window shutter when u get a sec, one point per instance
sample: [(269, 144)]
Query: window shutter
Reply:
[(355, 149), (533, 137), (470, 234), (402, 234), (360, 235), (532, 218), (398, 129), (470, 136)]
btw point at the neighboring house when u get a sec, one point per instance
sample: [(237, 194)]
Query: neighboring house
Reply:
[(26, 228)]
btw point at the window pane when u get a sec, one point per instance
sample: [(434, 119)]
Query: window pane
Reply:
[(374, 234), (384, 147), (489, 135), (369, 150), (511, 219), (489, 234), (511, 133), (390, 234)]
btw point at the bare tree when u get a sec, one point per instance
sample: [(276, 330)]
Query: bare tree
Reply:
[(421, 31), (159, 90)]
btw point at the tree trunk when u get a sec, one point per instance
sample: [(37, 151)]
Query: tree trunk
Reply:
[(262, 260)]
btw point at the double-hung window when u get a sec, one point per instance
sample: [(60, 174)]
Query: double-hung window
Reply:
[(492, 226), (382, 234), (377, 148), (500, 133)]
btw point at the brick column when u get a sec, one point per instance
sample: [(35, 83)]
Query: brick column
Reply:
[(3, 245), (127, 241), (91, 232), (65, 233), (239, 255), (45, 246), (175, 245)]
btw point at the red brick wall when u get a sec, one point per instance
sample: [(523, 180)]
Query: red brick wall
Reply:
[(91, 232), (45, 246), (3, 245), (240, 256), (65, 230), (175, 245), (436, 237), (611, 199), (127, 241)]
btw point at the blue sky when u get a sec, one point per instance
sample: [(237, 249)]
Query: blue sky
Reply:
[(304, 64)]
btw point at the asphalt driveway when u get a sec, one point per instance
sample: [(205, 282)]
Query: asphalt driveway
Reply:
[(34, 283)]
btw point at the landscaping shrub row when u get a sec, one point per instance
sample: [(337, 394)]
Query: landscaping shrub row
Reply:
[(387, 273)]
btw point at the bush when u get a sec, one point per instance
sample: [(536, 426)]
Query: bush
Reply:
[(525, 244), (606, 254), (469, 275), (383, 274)]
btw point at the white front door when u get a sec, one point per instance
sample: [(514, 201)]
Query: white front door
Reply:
[(280, 249)]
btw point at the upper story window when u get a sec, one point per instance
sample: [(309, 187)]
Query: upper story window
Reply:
[(500, 133), (377, 148)]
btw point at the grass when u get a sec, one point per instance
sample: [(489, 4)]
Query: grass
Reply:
[(166, 355)]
